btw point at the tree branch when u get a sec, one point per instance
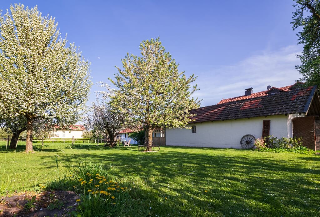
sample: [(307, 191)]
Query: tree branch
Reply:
[(313, 11)]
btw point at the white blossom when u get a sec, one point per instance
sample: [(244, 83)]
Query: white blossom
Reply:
[(40, 74)]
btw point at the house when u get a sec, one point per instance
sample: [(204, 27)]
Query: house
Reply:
[(124, 136), (74, 131), (158, 136), (291, 111)]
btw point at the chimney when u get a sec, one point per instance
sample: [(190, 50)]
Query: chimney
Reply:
[(268, 87), (248, 91)]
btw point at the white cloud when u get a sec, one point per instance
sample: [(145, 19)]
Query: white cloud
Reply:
[(275, 68)]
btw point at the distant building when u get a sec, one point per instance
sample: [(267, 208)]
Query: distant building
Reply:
[(124, 136), (158, 136), (74, 131)]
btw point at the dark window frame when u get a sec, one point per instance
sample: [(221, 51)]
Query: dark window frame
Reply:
[(194, 129)]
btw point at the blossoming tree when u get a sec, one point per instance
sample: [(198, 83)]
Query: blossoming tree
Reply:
[(103, 119), (152, 92), (40, 75)]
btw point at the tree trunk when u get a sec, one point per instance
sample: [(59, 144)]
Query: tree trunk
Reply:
[(15, 138), (29, 146), (111, 138), (148, 138)]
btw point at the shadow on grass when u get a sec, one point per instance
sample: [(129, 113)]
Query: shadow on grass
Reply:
[(313, 158), (209, 184), (99, 147), (22, 148)]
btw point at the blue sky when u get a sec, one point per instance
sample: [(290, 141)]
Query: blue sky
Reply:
[(230, 45)]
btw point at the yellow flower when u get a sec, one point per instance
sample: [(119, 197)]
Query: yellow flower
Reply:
[(112, 197), (78, 200), (97, 186), (100, 182), (89, 190), (206, 191), (104, 192)]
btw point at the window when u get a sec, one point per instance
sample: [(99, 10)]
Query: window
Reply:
[(194, 129), (159, 132)]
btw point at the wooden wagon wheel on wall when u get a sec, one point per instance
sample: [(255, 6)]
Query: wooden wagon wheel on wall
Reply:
[(247, 141)]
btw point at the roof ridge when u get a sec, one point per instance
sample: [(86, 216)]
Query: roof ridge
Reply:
[(275, 101), (254, 95)]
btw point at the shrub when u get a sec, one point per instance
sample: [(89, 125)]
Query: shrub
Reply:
[(274, 144), (138, 136), (259, 143)]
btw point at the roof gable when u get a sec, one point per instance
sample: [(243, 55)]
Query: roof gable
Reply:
[(275, 101)]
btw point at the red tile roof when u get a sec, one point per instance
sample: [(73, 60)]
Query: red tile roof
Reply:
[(77, 127), (275, 101), (72, 127), (127, 131), (254, 95)]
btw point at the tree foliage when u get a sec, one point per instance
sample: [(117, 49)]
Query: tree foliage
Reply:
[(151, 90), (41, 76), (103, 119), (306, 19)]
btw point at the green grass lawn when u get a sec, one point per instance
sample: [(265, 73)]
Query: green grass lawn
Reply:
[(178, 181)]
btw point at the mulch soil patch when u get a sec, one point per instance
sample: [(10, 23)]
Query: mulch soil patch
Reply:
[(47, 203)]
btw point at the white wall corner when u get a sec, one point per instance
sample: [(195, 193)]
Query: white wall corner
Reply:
[(290, 124)]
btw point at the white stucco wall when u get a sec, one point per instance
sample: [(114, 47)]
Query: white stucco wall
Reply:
[(67, 134), (125, 137), (227, 134)]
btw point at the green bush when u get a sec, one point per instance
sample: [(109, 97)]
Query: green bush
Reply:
[(274, 144), (138, 136)]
